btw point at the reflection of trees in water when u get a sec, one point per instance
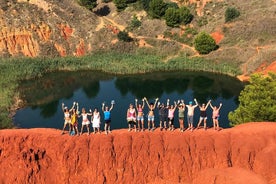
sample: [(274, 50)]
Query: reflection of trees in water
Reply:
[(149, 88), (49, 110), (205, 86), (55, 86), (92, 89)]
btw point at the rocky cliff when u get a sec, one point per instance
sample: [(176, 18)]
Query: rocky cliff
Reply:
[(244, 154)]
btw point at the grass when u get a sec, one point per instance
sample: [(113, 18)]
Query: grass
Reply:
[(14, 70)]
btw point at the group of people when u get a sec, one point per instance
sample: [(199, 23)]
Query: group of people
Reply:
[(71, 118), (135, 116)]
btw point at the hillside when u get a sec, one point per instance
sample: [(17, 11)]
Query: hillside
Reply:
[(244, 154), (63, 28)]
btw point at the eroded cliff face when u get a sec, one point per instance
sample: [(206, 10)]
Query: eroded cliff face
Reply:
[(238, 155), (45, 28)]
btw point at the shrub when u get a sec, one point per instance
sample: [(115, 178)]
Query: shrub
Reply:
[(172, 17), (135, 23), (89, 4), (185, 15), (123, 36), (120, 4), (204, 43), (231, 13), (257, 101), (157, 8)]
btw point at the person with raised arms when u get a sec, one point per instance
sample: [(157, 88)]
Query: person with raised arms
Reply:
[(163, 115), (96, 121), (140, 115), (151, 107), (181, 110), (85, 120), (190, 114), (131, 117), (107, 116), (74, 121), (171, 111), (215, 116), (203, 115), (67, 116)]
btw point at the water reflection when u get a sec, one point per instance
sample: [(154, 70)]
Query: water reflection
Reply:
[(43, 96)]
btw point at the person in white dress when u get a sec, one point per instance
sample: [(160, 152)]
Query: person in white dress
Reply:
[(96, 121)]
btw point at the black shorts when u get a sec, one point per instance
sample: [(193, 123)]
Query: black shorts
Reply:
[(132, 122), (171, 120), (107, 121), (163, 118)]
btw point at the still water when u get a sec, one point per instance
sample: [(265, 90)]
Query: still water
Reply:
[(43, 96)]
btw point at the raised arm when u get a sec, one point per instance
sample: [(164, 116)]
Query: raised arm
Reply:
[(196, 104), (73, 106), (208, 103), (175, 105), (220, 106), (156, 100), (62, 106), (103, 106), (211, 105), (147, 102), (136, 103), (143, 103)]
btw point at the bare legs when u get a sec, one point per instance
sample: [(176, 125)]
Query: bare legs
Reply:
[(87, 127), (181, 123)]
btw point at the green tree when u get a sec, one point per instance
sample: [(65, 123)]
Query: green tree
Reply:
[(120, 4), (172, 17), (157, 8), (231, 13), (204, 43), (123, 36), (135, 23), (89, 4), (257, 101), (185, 15)]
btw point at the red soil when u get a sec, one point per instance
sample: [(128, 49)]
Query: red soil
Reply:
[(244, 154), (217, 36)]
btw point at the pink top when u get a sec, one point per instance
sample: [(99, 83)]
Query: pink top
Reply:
[(171, 113), (131, 113)]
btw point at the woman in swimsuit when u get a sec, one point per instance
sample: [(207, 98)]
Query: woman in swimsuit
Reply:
[(85, 121), (203, 114), (215, 116), (96, 121), (181, 109), (151, 107), (131, 117), (67, 116), (140, 115), (74, 120)]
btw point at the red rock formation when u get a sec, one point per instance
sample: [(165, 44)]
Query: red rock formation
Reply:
[(244, 154)]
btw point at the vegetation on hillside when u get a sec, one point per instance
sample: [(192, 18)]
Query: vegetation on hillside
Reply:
[(257, 101)]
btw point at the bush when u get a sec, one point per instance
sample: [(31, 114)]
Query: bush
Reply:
[(172, 17), (185, 15), (89, 4), (157, 8), (204, 43), (257, 101), (123, 36), (135, 23), (120, 4), (231, 13)]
